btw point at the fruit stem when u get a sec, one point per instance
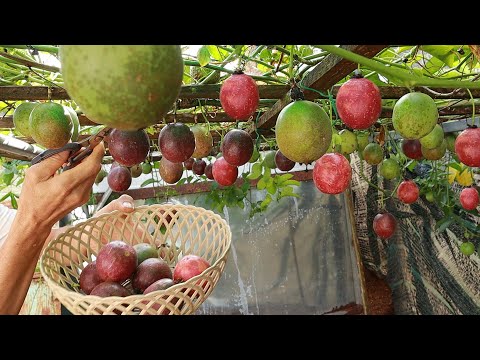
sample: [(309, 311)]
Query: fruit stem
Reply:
[(290, 65), (473, 106), (398, 75)]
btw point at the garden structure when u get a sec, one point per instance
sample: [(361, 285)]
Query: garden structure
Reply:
[(347, 174)]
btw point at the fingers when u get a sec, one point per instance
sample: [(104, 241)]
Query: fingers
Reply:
[(89, 167), (47, 168), (124, 204)]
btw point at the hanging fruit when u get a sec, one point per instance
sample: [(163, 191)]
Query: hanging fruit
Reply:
[(239, 96), (332, 173), (414, 115), (359, 103), (408, 192), (467, 146), (176, 142), (384, 225)]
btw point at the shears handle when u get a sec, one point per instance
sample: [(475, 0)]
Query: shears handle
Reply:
[(72, 147)]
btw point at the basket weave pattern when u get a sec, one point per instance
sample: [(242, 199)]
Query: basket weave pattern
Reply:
[(191, 230)]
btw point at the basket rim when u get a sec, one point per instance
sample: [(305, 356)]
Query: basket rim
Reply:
[(74, 294)]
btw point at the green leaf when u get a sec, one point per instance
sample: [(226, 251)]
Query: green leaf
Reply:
[(282, 178), (148, 182), (245, 186), (291, 182), (266, 55), (444, 223), (238, 49), (266, 202), (256, 171), (271, 188), (13, 200), (216, 53), (7, 178), (446, 53), (305, 50), (181, 181), (261, 184), (5, 196), (203, 56)]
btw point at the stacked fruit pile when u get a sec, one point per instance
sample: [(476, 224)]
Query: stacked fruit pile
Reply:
[(121, 270)]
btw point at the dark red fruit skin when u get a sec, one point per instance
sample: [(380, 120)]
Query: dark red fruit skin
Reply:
[(199, 167), (176, 142), (148, 272), (116, 261), (384, 225), (332, 173), (412, 149), (188, 163), (467, 147), (239, 96), (109, 288), (209, 171), (359, 103), (283, 163), (128, 148), (237, 147), (408, 192), (119, 179), (469, 198), (224, 173), (89, 278), (161, 284)]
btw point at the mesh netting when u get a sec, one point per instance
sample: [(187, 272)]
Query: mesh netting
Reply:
[(425, 269)]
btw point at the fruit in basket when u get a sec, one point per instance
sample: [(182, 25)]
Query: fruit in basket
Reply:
[(116, 261), (128, 148), (145, 251), (188, 267), (148, 272), (89, 278), (110, 288), (161, 284)]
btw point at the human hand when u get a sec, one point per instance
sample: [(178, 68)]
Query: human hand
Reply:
[(47, 196)]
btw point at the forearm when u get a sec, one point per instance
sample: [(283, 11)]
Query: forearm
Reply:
[(19, 256)]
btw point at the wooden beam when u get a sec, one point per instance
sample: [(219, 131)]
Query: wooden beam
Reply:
[(151, 192), (188, 118), (186, 92), (396, 92), (322, 77)]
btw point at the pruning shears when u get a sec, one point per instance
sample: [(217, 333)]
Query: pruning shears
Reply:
[(76, 155)]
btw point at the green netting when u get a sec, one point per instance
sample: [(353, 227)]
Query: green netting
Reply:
[(425, 270)]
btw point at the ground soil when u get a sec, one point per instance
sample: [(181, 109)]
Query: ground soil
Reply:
[(379, 295)]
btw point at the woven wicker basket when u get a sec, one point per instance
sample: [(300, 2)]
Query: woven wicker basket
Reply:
[(191, 230)]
